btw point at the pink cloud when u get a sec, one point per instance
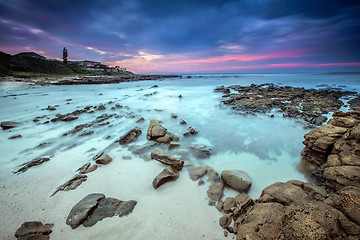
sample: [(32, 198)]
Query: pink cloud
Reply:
[(350, 64)]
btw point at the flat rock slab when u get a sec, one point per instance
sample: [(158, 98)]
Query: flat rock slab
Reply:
[(72, 184), (130, 136), (167, 175), (32, 163), (236, 179), (33, 230), (9, 124), (95, 207)]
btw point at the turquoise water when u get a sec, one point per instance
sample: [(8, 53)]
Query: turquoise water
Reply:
[(268, 149)]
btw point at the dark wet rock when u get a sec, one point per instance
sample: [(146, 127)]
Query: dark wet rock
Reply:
[(158, 133), (101, 107), (69, 118), (68, 100), (95, 207), (182, 121), (72, 184), (191, 131), (180, 96), (167, 175), (102, 158), (98, 122), (79, 213), (201, 150), (33, 230), (157, 155), (173, 145), (236, 179), (15, 136), (215, 191), (140, 120), (9, 124), (150, 94), (155, 86), (87, 168), (173, 115), (51, 108), (118, 105), (86, 132), (30, 164), (130, 136), (140, 149), (309, 105)]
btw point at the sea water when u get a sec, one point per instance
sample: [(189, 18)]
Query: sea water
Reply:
[(268, 149)]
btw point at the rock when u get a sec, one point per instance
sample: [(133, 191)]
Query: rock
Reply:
[(220, 206), (102, 158), (72, 184), (201, 182), (140, 120), (15, 136), (215, 191), (240, 198), (182, 121), (51, 108), (348, 202), (69, 118), (155, 86), (201, 150), (236, 179), (173, 115), (167, 175), (139, 149), (101, 107), (158, 133), (173, 145), (9, 124), (126, 157), (341, 176), (225, 220), (79, 213), (166, 159), (32, 163), (86, 132), (87, 168), (196, 173), (130, 136), (191, 131), (33, 230), (109, 207), (229, 203)]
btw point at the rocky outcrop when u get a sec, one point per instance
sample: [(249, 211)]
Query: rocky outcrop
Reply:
[(130, 136), (167, 175), (158, 133), (32, 163), (9, 124), (33, 230), (95, 207), (309, 105), (335, 148), (174, 162), (236, 179)]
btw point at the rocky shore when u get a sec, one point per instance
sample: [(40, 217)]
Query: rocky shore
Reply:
[(83, 80)]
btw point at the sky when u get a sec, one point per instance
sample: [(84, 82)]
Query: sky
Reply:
[(185, 36)]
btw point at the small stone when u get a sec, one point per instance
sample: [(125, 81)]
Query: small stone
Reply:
[(201, 150), (140, 120), (225, 220), (191, 131), (201, 182), (182, 121), (51, 108), (101, 106), (173, 145), (102, 158), (229, 203), (225, 233), (236, 179), (15, 136), (219, 206), (173, 115)]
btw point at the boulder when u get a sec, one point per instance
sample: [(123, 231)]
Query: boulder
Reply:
[(130, 136), (102, 158), (95, 207), (9, 124), (201, 150), (158, 133), (79, 213), (33, 230), (236, 179), (166, 159), (167, 175)]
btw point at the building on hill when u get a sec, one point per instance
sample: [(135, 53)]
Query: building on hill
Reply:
[(98, 66), (29, 55)]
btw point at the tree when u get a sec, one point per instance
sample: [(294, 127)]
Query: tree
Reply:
[(65, 55)]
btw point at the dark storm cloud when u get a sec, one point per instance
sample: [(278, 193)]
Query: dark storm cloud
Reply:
[(206, 27)]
